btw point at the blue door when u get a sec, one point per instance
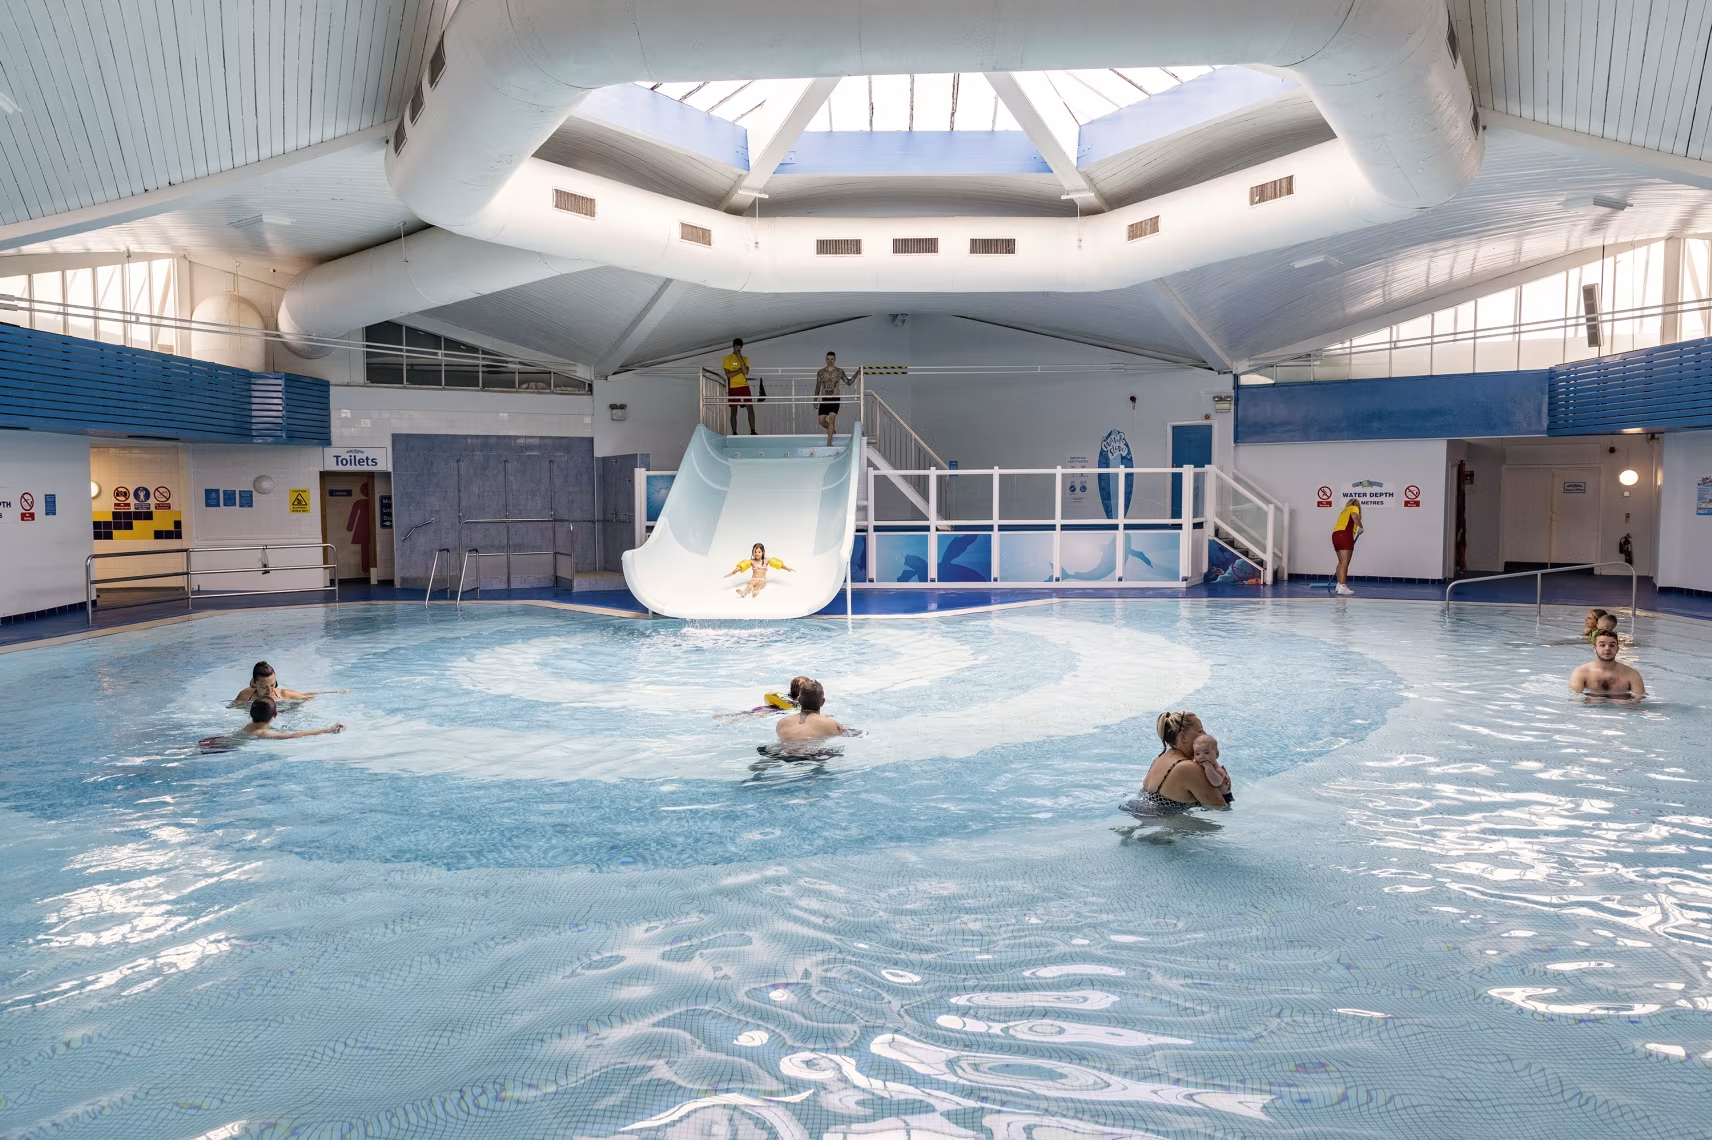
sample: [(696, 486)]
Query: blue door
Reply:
[(1191, 446)]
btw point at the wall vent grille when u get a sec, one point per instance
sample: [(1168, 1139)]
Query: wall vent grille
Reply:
[(700, 235), (416, 101), (398, 137), (573, 203), (838, 247), (987, 247), (437, 62), (1272, 191), (1147, 227), (915, 245)]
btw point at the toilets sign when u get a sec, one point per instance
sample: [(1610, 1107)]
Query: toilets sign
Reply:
[(354, 459)]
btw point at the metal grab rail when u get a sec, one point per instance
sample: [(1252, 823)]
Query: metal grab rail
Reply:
[(508, 552), (1539, 577), (434, 571), (474, 552), (90, 581), (791, 408)]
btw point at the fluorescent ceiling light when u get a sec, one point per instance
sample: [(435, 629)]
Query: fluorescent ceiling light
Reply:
[(1592, 203)]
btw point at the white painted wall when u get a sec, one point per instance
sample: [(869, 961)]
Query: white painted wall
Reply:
[(236, 467), (42, 560), (1398, 542), (1623, 510), (661, 413), (366, 416), (1685, 537)]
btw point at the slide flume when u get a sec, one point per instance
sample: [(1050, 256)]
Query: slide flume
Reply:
[(793, 494)]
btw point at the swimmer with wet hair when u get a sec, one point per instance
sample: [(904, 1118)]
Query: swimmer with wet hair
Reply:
[(1592, 622), (809, 723), (1606, 678), (265, 683), (262, 712), (757, 564), (1607, 624)]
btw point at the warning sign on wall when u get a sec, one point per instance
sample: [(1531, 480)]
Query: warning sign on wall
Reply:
[(300, 501)]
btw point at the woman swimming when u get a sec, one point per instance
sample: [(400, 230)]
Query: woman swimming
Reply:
[(1176, 782), (265, 683), (757, 564)]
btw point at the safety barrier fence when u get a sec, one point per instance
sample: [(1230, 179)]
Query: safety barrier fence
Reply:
[(190, 573), (1041, 527), (783, 402), (1539, 589)]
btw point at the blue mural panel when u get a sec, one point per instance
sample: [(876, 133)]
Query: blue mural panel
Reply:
[(659, 486), (1226, 567), (1025, 556), (966, 557), (1089, 556), (1153, 555), (859, 558), (900, 557)]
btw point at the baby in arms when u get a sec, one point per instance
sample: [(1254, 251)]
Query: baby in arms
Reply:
[(1207, 756)]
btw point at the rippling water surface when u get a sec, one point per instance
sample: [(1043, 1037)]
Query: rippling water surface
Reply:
[(544, 887)]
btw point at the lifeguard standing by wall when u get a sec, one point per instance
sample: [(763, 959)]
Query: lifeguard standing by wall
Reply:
[(736, 368), (1344, 533)]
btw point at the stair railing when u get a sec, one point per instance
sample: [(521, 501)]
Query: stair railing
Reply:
[(1244, 518)]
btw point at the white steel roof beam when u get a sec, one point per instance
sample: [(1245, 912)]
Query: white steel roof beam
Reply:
[(1050, 142), (762, 166)]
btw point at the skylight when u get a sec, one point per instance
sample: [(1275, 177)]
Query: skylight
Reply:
[(959, 101)]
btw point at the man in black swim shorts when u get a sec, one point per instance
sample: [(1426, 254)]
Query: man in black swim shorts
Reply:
[(826, 383)]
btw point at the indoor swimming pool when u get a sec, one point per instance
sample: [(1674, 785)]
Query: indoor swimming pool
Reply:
[(545, 885)]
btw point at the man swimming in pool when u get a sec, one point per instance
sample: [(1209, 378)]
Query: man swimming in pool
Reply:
[(1605, 677), (757, 564), (809, 723), (262, 712)]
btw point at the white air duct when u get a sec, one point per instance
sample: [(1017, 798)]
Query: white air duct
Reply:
[(422, 271), (1318, 193), (507, 72)]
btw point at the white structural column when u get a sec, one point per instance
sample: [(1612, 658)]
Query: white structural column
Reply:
[(761, 166), (644, 323), (1058, 156)]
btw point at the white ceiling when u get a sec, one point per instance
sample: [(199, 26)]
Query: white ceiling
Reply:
[(119, 97)]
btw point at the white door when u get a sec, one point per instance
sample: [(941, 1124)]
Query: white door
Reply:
[(1525, 521), (1575, 515)]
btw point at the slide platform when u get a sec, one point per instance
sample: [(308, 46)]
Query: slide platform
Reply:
[(792, 493)]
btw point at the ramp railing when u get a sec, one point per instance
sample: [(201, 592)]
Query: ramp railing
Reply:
[(326, 573), (1539, 578)]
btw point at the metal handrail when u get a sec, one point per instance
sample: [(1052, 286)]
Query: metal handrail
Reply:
[(90, 581), (475, 553), (778, 409), (434, 571), (508, 552), (1539, 577)]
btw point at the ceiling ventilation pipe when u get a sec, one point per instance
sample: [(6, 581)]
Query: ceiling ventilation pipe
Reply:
[(1384, 73), (421, 271)]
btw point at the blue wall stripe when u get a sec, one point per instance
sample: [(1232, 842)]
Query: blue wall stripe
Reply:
[(1654, 389), (1404, 407), (50, 382)]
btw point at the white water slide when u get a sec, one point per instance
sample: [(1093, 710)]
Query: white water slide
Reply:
[(793, 494)]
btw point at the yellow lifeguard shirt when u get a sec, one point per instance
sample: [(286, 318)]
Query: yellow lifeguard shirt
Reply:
[(1351, 511), (772, 564), (738, 364)]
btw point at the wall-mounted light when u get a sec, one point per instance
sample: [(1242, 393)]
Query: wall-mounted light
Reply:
[(94, 489), (1629, 477), (618, 411), (263, 484)]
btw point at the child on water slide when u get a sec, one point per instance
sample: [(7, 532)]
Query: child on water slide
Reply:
[(757, 564)]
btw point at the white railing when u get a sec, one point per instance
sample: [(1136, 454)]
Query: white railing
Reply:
[(896, 442), (1539, 588), (1240, 516), (788, 406), (965, 535)]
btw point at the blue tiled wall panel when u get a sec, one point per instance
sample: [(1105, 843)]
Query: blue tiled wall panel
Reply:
[(1403, 407), (1655, 389), (50, 382)]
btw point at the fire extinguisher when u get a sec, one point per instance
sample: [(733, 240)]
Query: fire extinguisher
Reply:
[(1626, 547)]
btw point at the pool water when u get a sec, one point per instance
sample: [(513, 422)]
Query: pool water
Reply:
[(545, 885)]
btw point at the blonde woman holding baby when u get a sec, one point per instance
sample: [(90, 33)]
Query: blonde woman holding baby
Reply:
[(1187, 774)]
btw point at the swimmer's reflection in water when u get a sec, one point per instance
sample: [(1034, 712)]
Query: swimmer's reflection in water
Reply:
[(1605, 678)]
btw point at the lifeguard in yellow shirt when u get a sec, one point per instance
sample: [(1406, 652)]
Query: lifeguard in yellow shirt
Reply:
[(736, 368), (757, 564)]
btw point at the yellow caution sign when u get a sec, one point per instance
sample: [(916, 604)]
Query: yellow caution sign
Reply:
[(300, 501)]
